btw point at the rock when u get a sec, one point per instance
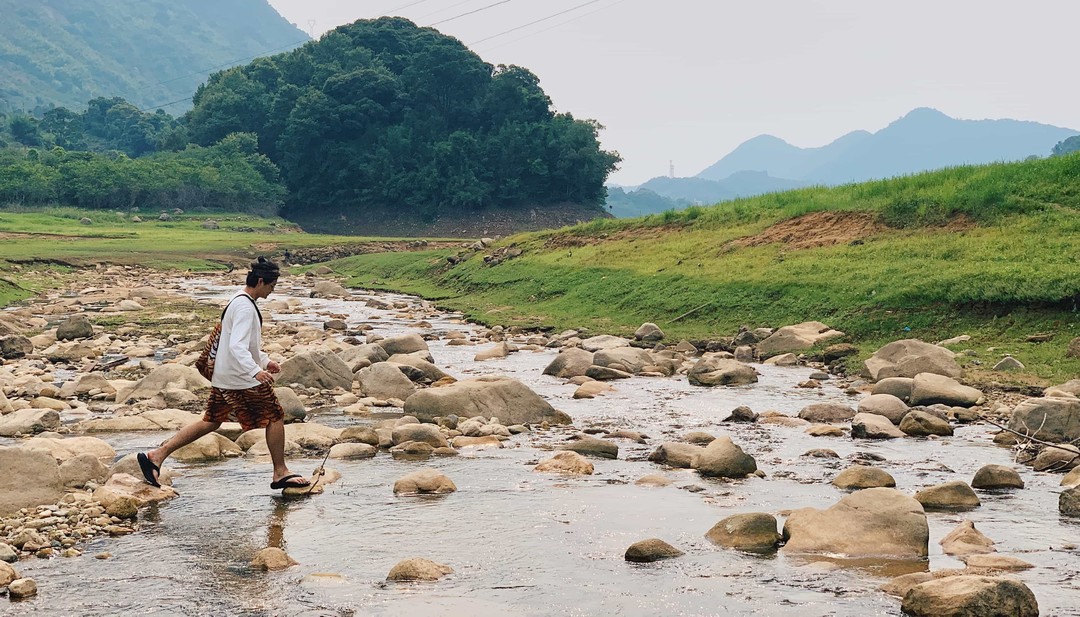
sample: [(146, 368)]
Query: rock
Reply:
[(754, 532), (970, 596), (22, 588), (875, 522), (272, 559), (1069, 501), (164, 377), (359, 434), (7, 574), (654, 480), (290, 403), (799, 337), (149, 420), (127, 306), (15, 346), (604, 341), (566, 462), (873, 426), (784, 359), (648, 551), (316, 369), (955, 495), (335, 324), (329, 289), (404, 344), (859, 477), (424, 433), (682, 455), (966, 540), (632, 359), (30, 478), (1049, 419), (74, 328), (129, 465), (489, 396), (605, 373), (77, 471), (477, 442), (744, 353), (29, 421), (363, 355), (900, 585), (352, 450), (832, 353), (1073, 350), (418, 569), (571, 362), (430, 371), (424, 481), (7, 555), (821, 453), (920, 424), (212, 447), (996, 562), (590, 446), (930, 389), (210, 224), (1072, 478), (826, 412), (649, 332), (385, 381), (996, 477), (715, 370), (742, 413), (824, 430), (591, 389), (499, 350), (908, 358), (1009, 363), (725, 459), (123, 507), (122, 485), (900, 387), (886, 405)]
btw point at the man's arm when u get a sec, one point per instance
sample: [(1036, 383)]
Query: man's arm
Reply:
[(240, 337)]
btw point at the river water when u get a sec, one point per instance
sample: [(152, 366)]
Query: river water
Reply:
[(523, 543)]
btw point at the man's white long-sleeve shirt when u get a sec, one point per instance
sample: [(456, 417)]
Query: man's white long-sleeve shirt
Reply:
[(239, 354)]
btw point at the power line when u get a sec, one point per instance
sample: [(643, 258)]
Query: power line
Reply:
[(445, 8), (552, 27), (166, 104), (483, 8), (535, 22), (404, 6)]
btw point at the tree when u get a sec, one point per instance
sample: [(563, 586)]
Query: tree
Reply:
[(1071, 144), (24, 129)]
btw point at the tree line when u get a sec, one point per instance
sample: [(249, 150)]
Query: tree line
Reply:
[(377, 116)]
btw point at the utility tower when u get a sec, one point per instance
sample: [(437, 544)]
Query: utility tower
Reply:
[(671, 169)]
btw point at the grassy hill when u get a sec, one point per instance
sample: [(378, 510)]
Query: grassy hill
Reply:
[(988, 251)]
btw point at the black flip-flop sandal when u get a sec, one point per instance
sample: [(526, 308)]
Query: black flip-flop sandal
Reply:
[(148, 468), (284, 482)]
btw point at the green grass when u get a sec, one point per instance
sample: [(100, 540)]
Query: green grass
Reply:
[(1013, 274)]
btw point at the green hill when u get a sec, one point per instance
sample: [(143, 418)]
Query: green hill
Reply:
[(988, 251), (150, 52)]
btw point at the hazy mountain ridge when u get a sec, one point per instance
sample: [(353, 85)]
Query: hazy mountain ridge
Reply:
[(65, 52)]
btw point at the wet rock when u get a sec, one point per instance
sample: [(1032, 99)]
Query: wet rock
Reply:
[(490, 396), (371, 353), (404, 344), (784, 359), (150, 420), (29, 478), (566, 462), (966, 540), (212, 447), (875, 522), (681, 455), (649, 332), (821, 453), (335, 324), (488, 441), (1049, 419), (725, 459), (997, 562), (654, 480), (272, 559), (29, 421), (499, 350), (74, 328), (886, 405), (633, 359), (164, 377), (970, 596), (122, 485), (908, 358), (1057, 458), (7, 574), (900, 387), (590, 446), (900, 585), (384, 381), (1072, 478), (7, 554), (418, 569), (996, 477), (591, 389), (955, 495), (714, 370), (826, 412), (799, 337), (858, 477), (930, 389), (425, 433), (744, 353), (873, 426), (359, 434), (317, 369), (742, 413), (424, 481), (428, 371), (123, 507), (22, 588), (825, 430), (698, 438), (571, 362), (648, 551), (1069, 501), (920, 424), (606, 373), (352, 450), (754, 532), (631, 435)]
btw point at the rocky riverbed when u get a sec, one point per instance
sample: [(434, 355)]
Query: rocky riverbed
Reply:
[(502, 472)]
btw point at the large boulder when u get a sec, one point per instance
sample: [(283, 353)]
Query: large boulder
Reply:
[(490, 396), (363, 355), (30, 478), (424, 481), (1049, 419), (900, 387), (431, 372), (591, 446), (873, 426), (604, 341), (571, 362), (329, 289), (424, 433), (955, 495), (164, 377), (567, 463), (632, 358), (888, 405), (682, 455), (970, 596), (385, 381), (210, 447), (826, 412), (69, 448), (77, 471), (800, 337), (74, 328), (29, 421), (649, 332), (717, 370), (650, 550), (921, 424), (404, 343), (875, 522), (996, 477), (931, 389), (122, 485), (859, 477), (754, 532), (908, 358), (149, 420), (418, 569), (725, 459), (316, 369)]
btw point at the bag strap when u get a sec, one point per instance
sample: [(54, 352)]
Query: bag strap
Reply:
[(257, 311)]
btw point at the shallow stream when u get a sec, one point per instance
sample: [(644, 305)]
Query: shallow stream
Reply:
[(523, 543)]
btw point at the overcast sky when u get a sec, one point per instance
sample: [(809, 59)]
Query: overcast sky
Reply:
[(689, 80)]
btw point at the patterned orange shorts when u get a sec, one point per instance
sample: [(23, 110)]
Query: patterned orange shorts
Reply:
[(252, 408)]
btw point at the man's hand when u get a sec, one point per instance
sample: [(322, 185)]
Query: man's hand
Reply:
[(264, 378), (273, 367)]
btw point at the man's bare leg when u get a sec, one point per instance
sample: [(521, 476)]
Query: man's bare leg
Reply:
[(182, 438), (275, 442)]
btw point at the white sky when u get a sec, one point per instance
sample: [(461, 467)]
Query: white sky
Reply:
[(689, 80)]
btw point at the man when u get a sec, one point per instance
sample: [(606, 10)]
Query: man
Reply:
[(242, 385)]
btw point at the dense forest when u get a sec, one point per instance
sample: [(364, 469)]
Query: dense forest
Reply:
[(151, 52), (377, 118)]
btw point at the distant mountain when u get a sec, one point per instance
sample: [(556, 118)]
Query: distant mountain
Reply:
[(150, 52), (922, 140), (664, 193)]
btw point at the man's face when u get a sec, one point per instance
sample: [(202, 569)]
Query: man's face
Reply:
[(264, 289)]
